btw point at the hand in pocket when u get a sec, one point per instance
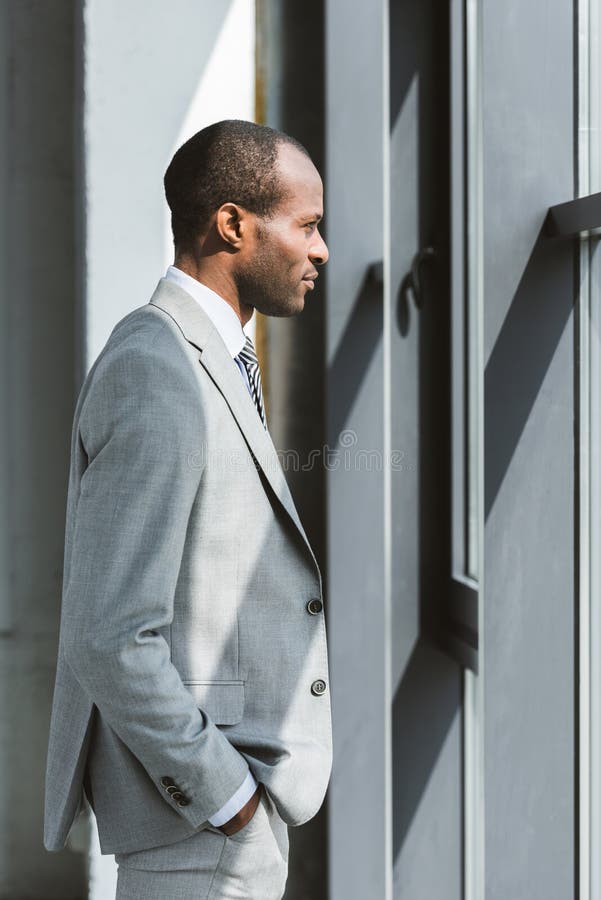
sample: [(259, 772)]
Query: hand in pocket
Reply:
[(244, 815)]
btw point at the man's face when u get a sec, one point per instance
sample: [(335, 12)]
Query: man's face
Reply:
[(278, 265)]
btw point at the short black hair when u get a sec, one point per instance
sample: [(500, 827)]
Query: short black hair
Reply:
[(229, 161)]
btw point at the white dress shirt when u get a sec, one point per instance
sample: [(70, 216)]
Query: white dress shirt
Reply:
[(230, 328)]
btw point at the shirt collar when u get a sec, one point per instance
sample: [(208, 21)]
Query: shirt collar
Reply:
[(218, 310)]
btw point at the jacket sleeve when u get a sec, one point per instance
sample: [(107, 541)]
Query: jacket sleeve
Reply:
[(141, 425)]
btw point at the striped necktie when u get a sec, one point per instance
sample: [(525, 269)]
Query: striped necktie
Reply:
[(249, 358)]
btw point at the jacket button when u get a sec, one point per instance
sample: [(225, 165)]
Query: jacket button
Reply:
[(318, 687), (166, 781), (172, 789), (183, 801), (177, 795), (314, 606)]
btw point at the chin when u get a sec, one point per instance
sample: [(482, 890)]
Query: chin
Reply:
[(291, 307), (294, 310)]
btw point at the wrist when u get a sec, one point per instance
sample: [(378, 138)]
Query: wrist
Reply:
[(244, 815)]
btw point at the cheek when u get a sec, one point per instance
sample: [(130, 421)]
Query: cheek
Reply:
[(282, 257), (295, 253), (286, 253)]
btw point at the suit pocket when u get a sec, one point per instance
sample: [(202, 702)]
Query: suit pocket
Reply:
[(223, 701)]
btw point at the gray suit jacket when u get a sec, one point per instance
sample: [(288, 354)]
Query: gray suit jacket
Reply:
[(188, 648)]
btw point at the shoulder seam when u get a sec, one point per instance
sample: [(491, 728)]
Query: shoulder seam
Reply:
[(172, 318)]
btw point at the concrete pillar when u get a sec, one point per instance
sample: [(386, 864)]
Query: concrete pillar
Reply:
[(38, 271)]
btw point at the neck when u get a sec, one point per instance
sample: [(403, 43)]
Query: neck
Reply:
[(214, 277)]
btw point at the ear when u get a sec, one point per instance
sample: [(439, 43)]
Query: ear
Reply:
[(231, 222)]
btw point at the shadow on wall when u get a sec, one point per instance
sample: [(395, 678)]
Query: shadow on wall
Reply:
[(523, 352)]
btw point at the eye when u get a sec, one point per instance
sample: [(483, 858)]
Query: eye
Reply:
[(310, 225)]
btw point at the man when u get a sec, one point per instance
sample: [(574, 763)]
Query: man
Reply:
[(192, 691)]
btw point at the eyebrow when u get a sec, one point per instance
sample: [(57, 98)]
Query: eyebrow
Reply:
[(314, 215)]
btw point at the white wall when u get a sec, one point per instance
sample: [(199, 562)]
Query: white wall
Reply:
[(155, 73)]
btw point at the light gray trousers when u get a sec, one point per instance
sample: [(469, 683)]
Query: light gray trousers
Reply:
[(249, 865)]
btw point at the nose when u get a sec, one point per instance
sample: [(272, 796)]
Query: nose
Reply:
[(319, 254)]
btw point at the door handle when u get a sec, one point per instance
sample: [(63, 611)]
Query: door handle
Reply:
[(412, 283), (412, 280), (426, 254), (571, 218)]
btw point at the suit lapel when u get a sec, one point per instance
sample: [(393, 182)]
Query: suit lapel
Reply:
[(199, 330)]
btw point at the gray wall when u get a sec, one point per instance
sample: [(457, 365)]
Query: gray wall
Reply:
[(360, 787), (37, 82), (530, 378), (395, 800), (427, 685)]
